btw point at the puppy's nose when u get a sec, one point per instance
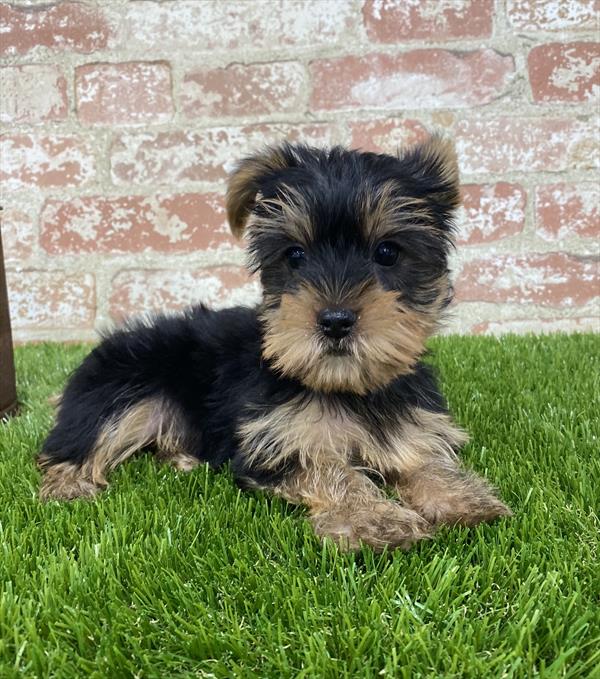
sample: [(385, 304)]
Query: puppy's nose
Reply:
[(336, 323)]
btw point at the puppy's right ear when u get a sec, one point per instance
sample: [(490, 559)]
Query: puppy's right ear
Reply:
[(244, 184)]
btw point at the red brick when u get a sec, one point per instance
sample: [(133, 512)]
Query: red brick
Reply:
[(424, 78), (51, 299), (32, 94), (17, 232), (208, 155), (255, 24), (491, 212), (61, 26), (537, 325), (163, 223), (391, 21), (553, 15), (240, 90), (564, 210), (565, 71), (386, 135), (29, 160), (133, 93), (552, 279), (134, 292), (526, 145)]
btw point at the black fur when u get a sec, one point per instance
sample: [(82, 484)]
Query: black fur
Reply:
[(209, 365), (333, 184)]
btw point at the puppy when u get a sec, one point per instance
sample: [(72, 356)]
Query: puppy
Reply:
[(318, 395)]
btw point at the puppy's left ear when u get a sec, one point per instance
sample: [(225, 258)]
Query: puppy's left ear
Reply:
[(244, 184), (433, 167)]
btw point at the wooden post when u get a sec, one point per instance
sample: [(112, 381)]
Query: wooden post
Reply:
[(8, 391)]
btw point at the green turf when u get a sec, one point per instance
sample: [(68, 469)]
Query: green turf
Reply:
[(173, 575)]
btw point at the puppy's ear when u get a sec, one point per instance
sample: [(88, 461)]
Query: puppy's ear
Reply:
[(244, 184), (433, 167)]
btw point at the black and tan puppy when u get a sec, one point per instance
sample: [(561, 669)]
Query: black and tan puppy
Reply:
[(318, 395)]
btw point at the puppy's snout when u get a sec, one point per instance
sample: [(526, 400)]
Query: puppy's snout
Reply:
[(336, 323)]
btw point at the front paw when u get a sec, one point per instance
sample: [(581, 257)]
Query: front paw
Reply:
[(382, 524), (465, 510)]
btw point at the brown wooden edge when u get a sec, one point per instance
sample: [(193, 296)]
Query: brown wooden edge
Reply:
[(8, 388)]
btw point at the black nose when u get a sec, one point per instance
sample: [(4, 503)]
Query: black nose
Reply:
[(336, 323)]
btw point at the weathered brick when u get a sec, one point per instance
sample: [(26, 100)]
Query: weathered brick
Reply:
[(191, 25), (134, 292), (537, 325), (162, 223), (553, 15), (568, 72), (51, 299), (564, 210), (208, 155), (390, 21), (526, 144), (32, 94), (243, 90), (132, 93), (17, 233), (386, 135), (47, 161), (491, 212), (423, 78), (61, 26), (552, 279)]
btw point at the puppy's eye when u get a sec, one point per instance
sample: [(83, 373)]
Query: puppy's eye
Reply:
[(295, 256), (386, 253)]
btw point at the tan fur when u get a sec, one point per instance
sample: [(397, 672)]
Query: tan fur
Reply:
[(66, 481), (387, 341), (421, 437), (287, 213), (310, 429), (181, 461), (242, 187), (443, 492), (439, 156), (147, 423), (348, 508), (334, 452), (385, 213), (55, 400)]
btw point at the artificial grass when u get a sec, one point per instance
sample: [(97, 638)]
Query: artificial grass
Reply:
[(172, 575)]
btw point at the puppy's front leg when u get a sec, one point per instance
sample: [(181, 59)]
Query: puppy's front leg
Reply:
[(347, 507), (443, 492)]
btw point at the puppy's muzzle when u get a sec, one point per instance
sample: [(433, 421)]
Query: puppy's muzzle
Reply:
[(336, 323)]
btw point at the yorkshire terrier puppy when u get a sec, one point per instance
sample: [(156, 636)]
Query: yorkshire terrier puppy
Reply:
[(318, 395)]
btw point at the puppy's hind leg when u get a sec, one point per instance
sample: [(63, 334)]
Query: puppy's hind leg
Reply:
[(115, 438)]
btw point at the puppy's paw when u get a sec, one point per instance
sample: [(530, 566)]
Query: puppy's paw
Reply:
[(465, 510), (451, 495), (65, 481), (183, 462), (382, 524)]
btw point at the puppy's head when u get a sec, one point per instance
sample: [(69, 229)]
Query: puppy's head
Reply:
[(352, 253)]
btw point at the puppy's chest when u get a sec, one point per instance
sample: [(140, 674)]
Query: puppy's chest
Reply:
[(317, 431), (307, 431)]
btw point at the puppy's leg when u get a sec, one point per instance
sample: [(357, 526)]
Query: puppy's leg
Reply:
[(125, 396), (347, 507), (443, 492), (117, 436), (423, 467)]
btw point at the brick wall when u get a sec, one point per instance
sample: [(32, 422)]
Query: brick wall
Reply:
[(121, 119)]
